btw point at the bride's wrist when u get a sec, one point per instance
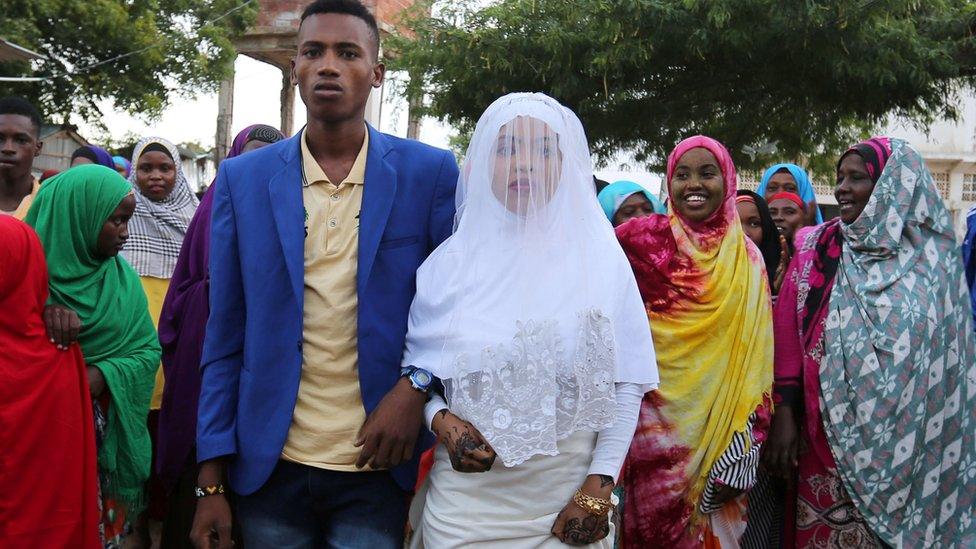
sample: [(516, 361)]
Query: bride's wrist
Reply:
[(437, 421), (598, 486)]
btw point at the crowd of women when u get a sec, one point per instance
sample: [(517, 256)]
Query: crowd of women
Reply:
[(744, 372)]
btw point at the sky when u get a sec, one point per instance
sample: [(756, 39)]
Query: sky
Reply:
[(257, 87)]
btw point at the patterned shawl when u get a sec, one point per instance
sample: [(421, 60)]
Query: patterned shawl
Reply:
[(157, 229), (897, 380), (969, 256), (117, 334), (704, 286)]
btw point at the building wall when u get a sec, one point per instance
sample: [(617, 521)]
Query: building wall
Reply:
[(56, 152), (287, 13)]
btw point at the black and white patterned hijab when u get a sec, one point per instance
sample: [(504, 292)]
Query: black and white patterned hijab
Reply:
[(157, 229)]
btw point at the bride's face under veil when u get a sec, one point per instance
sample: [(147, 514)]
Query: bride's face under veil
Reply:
[(526, 165)]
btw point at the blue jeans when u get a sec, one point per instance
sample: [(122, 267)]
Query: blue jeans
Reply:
[(302, 507)]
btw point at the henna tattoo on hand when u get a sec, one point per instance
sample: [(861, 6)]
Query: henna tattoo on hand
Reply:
[(461, 445), (586, 531), (605, 480)]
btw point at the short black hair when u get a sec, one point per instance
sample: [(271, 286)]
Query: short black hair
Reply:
[(13, 104), (354, 8)]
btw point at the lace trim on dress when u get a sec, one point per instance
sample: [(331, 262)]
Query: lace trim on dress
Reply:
[(527, 395)]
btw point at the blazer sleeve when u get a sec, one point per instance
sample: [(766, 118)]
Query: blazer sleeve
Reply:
[(441, 222), (223, 349)]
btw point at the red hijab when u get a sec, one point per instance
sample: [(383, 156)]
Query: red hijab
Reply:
[(47, 464)]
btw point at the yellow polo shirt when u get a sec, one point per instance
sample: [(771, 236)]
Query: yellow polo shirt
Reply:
[(329, 410), (25, 204)]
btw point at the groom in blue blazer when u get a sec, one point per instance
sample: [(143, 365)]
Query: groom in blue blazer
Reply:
[(315, 244)]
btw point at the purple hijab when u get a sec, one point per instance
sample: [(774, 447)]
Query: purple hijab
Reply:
[(182, 326), (96, 154)]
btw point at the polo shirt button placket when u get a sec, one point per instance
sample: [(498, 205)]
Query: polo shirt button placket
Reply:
[(333, 223)]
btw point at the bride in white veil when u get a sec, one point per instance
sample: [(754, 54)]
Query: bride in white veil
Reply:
[(530, 316)]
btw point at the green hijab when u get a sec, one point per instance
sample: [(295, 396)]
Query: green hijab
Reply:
[(117, 334)]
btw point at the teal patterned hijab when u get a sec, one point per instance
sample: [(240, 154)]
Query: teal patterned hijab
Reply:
[(898, 384)]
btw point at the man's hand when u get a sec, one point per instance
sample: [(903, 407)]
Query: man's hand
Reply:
[(62, 325), (212, 521), (467, 448), (389, 434)]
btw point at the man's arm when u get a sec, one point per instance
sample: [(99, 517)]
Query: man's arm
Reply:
[(390, 432), (441, 222), (223, 349)]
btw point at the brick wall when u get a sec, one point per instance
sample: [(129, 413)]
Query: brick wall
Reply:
[(286, 13), (389, 10)]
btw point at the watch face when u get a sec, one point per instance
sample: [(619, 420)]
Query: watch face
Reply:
[(422, 378)]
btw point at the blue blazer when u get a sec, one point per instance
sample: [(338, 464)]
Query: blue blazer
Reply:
[(252, 356)]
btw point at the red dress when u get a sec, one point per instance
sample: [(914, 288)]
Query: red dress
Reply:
[(48, 466)]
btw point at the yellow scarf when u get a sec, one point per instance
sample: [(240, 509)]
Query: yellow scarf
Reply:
[(710, 313)]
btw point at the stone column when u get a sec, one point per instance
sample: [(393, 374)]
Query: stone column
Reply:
[(287, 102), (225, 116)]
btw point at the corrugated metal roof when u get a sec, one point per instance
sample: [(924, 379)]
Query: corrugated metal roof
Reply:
[(12, 52)]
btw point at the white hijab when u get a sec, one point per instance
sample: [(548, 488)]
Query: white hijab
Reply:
[(530, 312)]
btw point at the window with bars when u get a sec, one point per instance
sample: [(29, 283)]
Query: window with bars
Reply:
[(749, 180), (942, 184), (969, 187), (824, 186)]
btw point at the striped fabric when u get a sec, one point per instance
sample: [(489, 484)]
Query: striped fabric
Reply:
[(736, 467)]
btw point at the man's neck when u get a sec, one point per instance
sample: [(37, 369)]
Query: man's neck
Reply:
[(13, 191), (335, 141)]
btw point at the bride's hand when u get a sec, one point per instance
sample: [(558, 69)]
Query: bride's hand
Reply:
[(468, 450), (576, 526)]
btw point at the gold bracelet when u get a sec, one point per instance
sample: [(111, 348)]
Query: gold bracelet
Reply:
[(594, 506)]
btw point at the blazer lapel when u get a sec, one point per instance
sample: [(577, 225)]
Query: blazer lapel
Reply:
[(378, 193), (287, 207)]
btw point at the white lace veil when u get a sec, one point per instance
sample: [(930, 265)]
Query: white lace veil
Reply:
[(529, 312)]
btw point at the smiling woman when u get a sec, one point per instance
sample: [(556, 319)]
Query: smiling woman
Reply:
[(874, 353), (708, 302), (696, 187)]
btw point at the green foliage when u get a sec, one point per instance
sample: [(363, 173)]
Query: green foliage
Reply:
[(155, 50), (811, 75)]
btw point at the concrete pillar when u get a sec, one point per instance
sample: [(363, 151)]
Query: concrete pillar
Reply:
[(225, 116), (374, 107), (287, 102)]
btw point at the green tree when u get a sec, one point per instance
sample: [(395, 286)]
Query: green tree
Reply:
[(137, 53), (808, 76)]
